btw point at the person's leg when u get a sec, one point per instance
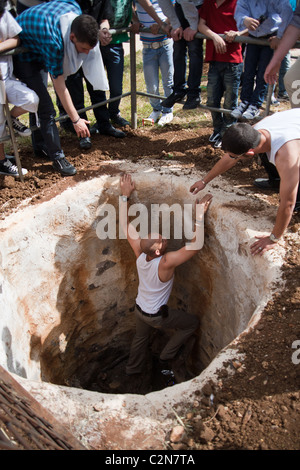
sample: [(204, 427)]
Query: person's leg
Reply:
[(184, 324), (101, 113), (231, 74), (285, 65), (214, 95), (151, 76), (113, 58), (195, 51), (265, 54), (139, 345), (250, 64), (167, 71), (74, 83), (30, 74), (273, 180)]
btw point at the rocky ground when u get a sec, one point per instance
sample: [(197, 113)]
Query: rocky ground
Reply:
[(258, 406)]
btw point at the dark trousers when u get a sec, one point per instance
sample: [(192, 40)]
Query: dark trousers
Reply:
[(183, 323), (46, 137), (254, 86), (194, 49), (113, 59), (273, 175)]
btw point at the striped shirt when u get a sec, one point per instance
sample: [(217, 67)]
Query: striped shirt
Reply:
[(41, 33), (147, 21)]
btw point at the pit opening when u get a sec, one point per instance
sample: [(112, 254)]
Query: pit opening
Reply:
[(68, 296)]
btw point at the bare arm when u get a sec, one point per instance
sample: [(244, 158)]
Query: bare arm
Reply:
[(127, 186), (224, 164), (288, 166), (288, 40), (219, 43), (173, 259), (9, 44), (146, 4), (80, 125)]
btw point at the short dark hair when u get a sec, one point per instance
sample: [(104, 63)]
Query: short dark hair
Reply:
[(239, 138), (86, 29)]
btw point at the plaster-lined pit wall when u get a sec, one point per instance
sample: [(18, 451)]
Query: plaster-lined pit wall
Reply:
[(66, 295)]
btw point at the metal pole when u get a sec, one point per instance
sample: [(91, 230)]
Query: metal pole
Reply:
[(133, 81)]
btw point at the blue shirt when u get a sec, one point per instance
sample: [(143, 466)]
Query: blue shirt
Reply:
[(278, 14), (41, 33)]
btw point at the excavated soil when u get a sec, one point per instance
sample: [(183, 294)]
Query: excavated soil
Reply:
[(256, 407)]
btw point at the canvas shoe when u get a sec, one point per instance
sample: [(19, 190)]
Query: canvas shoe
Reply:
[(238, 112), (251, 112), (64, 167), (165, 119), (7, 167), (20, 128), (154, 116), (214, 136), (218, 143)]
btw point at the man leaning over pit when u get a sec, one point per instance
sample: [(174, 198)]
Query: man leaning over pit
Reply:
[(277, 136)]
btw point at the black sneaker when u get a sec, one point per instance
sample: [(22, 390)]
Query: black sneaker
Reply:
[(264, 183), (94, 129), (167, 373), (7, 167), (192, 102), (175, 97), (85, 143), (118, 120), (64, 167), (20, 128)]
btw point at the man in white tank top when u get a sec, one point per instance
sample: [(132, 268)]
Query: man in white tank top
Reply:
[(277, 136), (156, 269)]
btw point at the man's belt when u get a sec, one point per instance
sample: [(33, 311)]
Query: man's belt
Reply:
[(162, 312), (156, 45), (158, 314)]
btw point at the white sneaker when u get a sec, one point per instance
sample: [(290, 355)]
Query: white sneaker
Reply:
[(251, 113), (238, 112), (154, 116), (165, 119)]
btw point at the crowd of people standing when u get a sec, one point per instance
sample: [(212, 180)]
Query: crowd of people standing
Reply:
[(171, 51)]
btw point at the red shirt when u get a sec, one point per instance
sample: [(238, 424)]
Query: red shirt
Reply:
[(221, 19)]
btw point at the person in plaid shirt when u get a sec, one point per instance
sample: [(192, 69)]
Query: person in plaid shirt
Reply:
[(58, 39)]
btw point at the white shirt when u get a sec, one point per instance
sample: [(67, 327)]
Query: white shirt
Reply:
[(283, 127), (9, 28), (152, 292)]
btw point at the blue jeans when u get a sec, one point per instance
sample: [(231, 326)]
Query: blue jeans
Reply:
[(256, 60), (223, 80), (155, 61)]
